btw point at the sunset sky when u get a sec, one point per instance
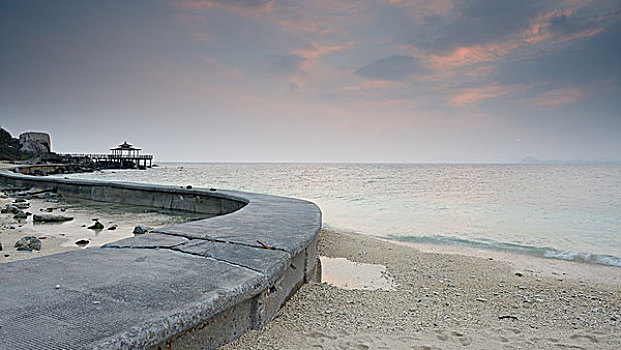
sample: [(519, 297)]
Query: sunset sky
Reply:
[(317, 81)]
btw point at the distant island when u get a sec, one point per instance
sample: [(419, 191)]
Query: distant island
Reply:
[(532, 160)]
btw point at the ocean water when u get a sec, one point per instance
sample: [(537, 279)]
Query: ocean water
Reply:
[(560, 211)]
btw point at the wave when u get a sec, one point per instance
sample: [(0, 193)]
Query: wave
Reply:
[(544, 252)]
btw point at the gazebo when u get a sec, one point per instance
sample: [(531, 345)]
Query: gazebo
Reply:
[(128, 156), (125, 149)]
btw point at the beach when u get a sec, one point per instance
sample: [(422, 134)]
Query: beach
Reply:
[(449, 301)]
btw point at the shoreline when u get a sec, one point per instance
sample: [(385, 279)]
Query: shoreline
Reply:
[(533, 265), (442, 300)]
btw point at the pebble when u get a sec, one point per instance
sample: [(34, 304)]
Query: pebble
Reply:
[(57, 286), (96, 302), (481, 299), (96, 226)]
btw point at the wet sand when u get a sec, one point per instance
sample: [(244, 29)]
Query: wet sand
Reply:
[(61, 237), (449, 301)]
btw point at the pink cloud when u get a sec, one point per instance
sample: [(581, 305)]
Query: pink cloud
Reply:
[(247, 9), (557, 97), (309, 54), (474, 95)]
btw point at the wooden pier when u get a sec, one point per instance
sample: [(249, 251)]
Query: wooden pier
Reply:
[(124, 156), (140, 161)]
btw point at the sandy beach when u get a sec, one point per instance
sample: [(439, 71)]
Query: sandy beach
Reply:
[(449, 301)]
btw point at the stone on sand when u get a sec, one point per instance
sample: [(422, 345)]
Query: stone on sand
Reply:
[(28, 243), (51, 218)]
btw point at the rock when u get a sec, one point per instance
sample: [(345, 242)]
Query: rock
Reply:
[(20, 215), (19, 200), (50, 218), (519, 274), (111, 228), (138, 230), (0, 246), (10, 209), (189, 187), (82, 242), (28, 243), (97, 226), (35, 142), (481, 300), (22, 205)]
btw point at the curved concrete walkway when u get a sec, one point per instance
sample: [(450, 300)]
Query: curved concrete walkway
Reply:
[(195, 285)]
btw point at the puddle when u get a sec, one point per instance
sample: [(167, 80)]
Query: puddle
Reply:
[(346, 274)]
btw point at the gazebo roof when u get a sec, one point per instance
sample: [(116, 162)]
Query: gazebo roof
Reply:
[(125, 147)]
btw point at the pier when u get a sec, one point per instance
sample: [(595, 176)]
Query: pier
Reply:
[(123, 156)]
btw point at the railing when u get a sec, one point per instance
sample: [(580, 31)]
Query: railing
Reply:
[(109, 156)]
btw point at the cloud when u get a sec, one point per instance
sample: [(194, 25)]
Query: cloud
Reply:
[(289, 64), (391, 68), (301, 60), (557, 97), (248, 8), (474, 23), (474, 95)]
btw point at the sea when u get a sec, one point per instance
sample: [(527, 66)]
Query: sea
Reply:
[(557, 211)]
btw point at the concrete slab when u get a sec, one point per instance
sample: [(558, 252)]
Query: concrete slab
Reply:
[(271, 263), (294, 226), (114, 296), (149, 240)]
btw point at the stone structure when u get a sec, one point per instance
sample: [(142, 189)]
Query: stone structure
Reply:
[(35, 142), (195, 285)]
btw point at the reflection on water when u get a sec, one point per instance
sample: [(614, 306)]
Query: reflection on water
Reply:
[(346, 274)]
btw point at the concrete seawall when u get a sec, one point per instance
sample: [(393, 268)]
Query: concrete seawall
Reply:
[(195, 285)]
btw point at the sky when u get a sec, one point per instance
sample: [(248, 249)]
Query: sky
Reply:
[(317, 81)]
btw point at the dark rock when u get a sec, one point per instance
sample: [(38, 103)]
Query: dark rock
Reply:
[(82, 242), (189, 187), (10, 209), (20, 215), (0, 246), (50, 218), (138, 230), (28, 243), (19, 200), (112, 228), (97, 226)]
